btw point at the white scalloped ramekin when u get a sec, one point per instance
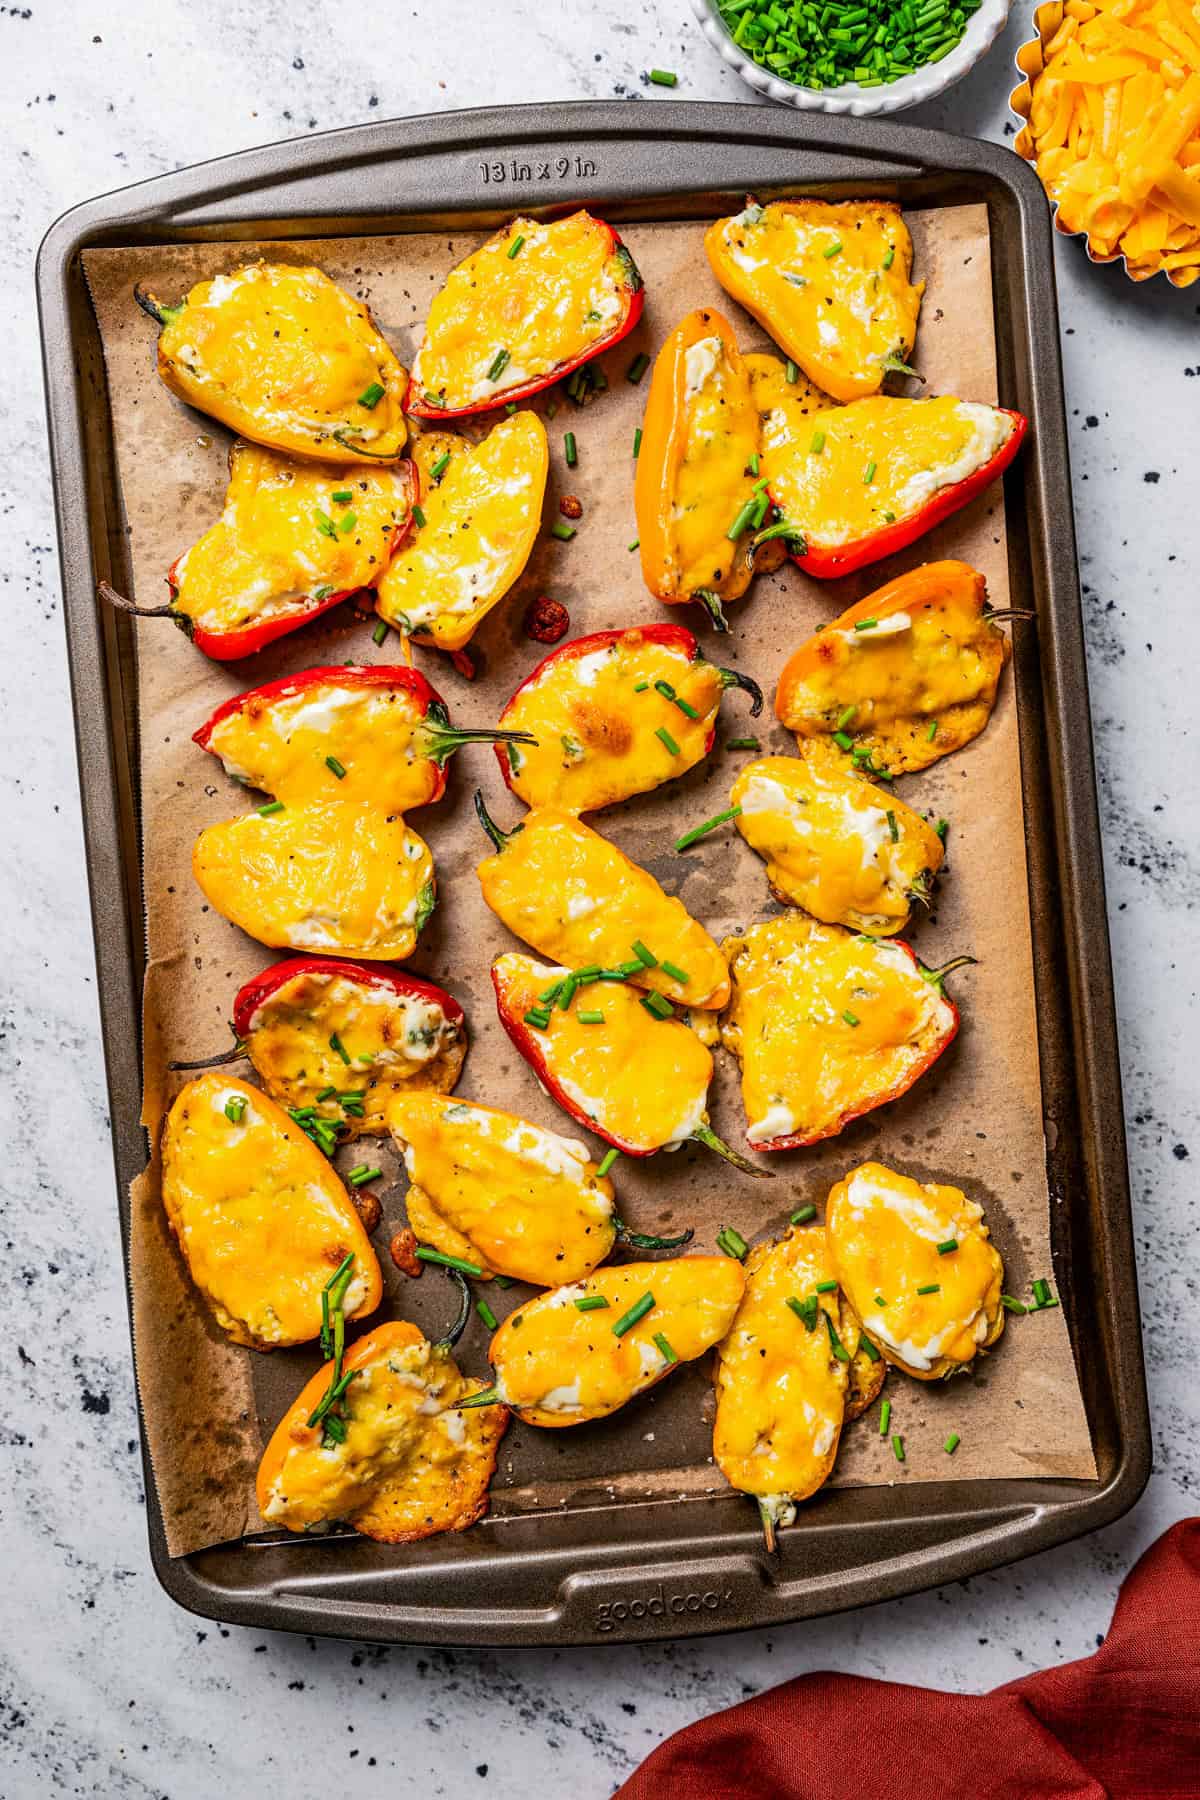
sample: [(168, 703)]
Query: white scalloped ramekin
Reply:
[(923, 84)]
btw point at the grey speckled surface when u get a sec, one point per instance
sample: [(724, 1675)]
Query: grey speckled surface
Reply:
[(106, 1689)]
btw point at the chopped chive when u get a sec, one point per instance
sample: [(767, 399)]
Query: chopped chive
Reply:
[(347, 522), (589, 972), (567, 993), (660, 1007), (235, 1107), (1042, 1294), (731, 1241), (550, 995), (941, 828), (364, 1173), (885, 1417), (592, 1303), (869, 474), (379, 635), (570, 450), (740, 744), (835, 1343), (538, 1017), (740, 522), (343, 496), (498, 365), (443, 1261), (418, 516), (634, 544), (329, 1093), (866, 624), (893, 828), (486, 1314), (562, 531), (502, 1281), (637, 1311), (685, 706), (637, 442), (931, 1287), (371, 396), (951, 1444), (338, 1048), (646, 957), (733, 812), (898, 1447), (889, 256), (818, 443), (674, 971), (932, 732), (1011, 1305), (592, 1016), (665, 738), (639, 687), (662, 1344), (832, 249), (637, 367), (803, 1214), (867, 1347), (850, 1018), (805, 1310), (663, 77), (665, 689), (843, 740), (514, 249), (791, 370), (272, 806), (439, 468), (337, 768), (827, 1287), (879, 1300), (890, 517), (607, 1161), (946, 1246)]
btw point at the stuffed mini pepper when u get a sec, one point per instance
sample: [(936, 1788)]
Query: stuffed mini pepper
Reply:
[(474, 528), (845, 850), (902, 678), (501, 1194), (615, 714), (870, 478), (537, 300), (285, 357), (379, 1440), (583, 1351), (260, 1217), (697, 494), (827, 1025), (829, 281), (916, 1263), (572, 895), (618, 1061)]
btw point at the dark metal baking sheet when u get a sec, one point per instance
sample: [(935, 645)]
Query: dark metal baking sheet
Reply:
[(637, 1570)]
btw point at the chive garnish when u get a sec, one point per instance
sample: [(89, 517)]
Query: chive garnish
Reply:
[(634, 544), (674, 971), (898, 1447), (328, 1093), (662, 1344), (739, 744), (567, 993), (562, 531), (347, 522), (850, 1018), (514, 249), (663, 77), (869, 474), (893, 828), (832, 249), (592, 1016), (637, 1311), (570, 450), (868, 1348), (805, 1310), (639, 687), (646, 957), (885, 1417), (607, 1161), (379, 635), (1011, 1305), (539, 1017), (866, 624), (637, 367), (486, 1314), (1042, 1294), (740, 522), (827, 1287), (343, 496), (946, 1246), (371, 396), (843, 740), (818, 443), (439, 467), (336, 768), (656, 1004), (338, 1048), (498, 364), (931, 1287), (791, 370), (591, 1303), (235, 1107), (425, 1254), (731, 1241), (835, 1343), (932, 732), (418, 514), (665, 738), (889, 256), (879, 1300), (951, 1444), (637, 442), (941, 828), (685, 706), (665, 689), (272, 806), (733, 812), (550, 995), (803, 1214), (364, 1173)]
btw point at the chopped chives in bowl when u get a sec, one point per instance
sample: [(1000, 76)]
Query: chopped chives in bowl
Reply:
[(836, 42)]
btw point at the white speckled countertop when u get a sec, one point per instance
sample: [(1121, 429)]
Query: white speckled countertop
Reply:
[(106, 1689)]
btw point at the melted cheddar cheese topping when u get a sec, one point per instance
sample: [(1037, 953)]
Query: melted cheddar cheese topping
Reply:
[(635, 1078), (548, 305), (693, 478), (394, 1043), (879, 461), (781, 1388), (938, 1308), (284, 356), (572, 895), (556, 1365), (339, 877), (283, 540), (829, 281), (259, 1214), (411, 1464), (481, 514), (500, 1192), (833, 843), (910, 672), (597, 717), (826, 1025)]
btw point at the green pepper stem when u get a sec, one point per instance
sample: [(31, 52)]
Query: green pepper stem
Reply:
[(111, 596), (213, 1062), (935, 977), (444, 740), (159, 311), (704, 1134), (735, 678), (449, 1338), (768, 1529), (641, 1240), (498, 837), (783, 528), (341, 437), (485, 1397), (711, 602), (895, 365)]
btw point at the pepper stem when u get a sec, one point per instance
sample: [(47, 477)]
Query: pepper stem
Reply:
[(704, 1134), (782, 528), (768, 1529), (735, 678), (110, 594), (711, 602), (498, 837), (895, 365), (485, 1397), (159, 311), (935, 977), (445, 740), (641, 1240), (213, 1062), (449, 1338), (340, 437)]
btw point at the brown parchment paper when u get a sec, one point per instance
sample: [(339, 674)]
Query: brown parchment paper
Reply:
[(975, 1119)]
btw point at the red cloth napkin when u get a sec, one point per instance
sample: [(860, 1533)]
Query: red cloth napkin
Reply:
[(1123, 1724)]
